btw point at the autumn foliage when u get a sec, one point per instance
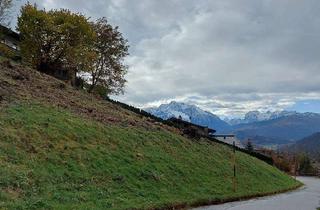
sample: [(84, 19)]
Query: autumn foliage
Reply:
[(62, 40)]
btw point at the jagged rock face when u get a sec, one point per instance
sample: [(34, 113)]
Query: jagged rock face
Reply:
[(190, 113)]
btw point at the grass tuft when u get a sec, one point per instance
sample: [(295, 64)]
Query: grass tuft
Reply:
[(52, 159)]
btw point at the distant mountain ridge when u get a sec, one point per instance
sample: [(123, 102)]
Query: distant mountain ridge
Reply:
[(256, 116), (263, 128), (190, 113), (281, 130)]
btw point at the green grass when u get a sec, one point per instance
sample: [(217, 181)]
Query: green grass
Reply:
[(51, 159)]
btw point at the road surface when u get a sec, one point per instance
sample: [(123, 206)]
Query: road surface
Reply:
[(306, 198)]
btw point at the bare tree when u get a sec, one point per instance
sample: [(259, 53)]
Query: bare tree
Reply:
[(5, 7)]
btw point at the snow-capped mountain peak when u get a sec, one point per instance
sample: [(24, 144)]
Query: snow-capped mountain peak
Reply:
[(257, 116), (190, 113)]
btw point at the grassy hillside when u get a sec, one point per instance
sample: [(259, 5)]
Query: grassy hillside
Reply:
[(64, 149)]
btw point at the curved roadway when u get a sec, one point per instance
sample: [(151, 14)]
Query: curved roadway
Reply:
[(306, 198)]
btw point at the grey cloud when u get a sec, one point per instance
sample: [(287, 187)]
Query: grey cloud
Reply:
[(226, 56)]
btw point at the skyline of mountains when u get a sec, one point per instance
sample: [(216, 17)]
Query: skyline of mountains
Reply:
[(257, 116), (166, 111), (282, 130), (263, 128), (190, 113)]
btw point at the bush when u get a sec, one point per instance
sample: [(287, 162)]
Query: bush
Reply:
[(101, 91), (305, 165)]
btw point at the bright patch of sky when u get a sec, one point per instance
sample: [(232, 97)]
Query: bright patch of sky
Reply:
[(305, 106)]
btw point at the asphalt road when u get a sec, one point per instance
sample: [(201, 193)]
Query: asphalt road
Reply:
[(305, 198)]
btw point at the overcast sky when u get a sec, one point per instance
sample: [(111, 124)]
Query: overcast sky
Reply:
[(227, 56)]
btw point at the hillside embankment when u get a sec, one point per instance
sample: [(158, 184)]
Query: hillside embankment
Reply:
[(61, 148)]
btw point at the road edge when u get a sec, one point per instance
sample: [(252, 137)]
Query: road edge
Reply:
[(204, 203)]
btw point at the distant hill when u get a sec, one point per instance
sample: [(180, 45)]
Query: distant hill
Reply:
[(281, 130), (190, 113), (309, 145)]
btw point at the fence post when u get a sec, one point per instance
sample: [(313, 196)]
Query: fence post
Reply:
[(234, 168), (295, 167)]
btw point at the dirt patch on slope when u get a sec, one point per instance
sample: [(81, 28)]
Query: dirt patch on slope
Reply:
[(22, 83)]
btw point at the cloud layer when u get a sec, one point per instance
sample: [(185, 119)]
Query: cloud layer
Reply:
[(226, 56)]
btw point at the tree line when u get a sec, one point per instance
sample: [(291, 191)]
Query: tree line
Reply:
[(93, 51), (292, 162)]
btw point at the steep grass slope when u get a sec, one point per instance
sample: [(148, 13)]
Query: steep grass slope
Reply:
[(64, 149)]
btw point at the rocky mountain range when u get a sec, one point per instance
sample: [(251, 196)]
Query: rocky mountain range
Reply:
[(256, 116), (190, 113), (267, 129), (281, 130)]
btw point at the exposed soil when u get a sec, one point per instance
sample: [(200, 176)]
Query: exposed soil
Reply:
[(22, 83)]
